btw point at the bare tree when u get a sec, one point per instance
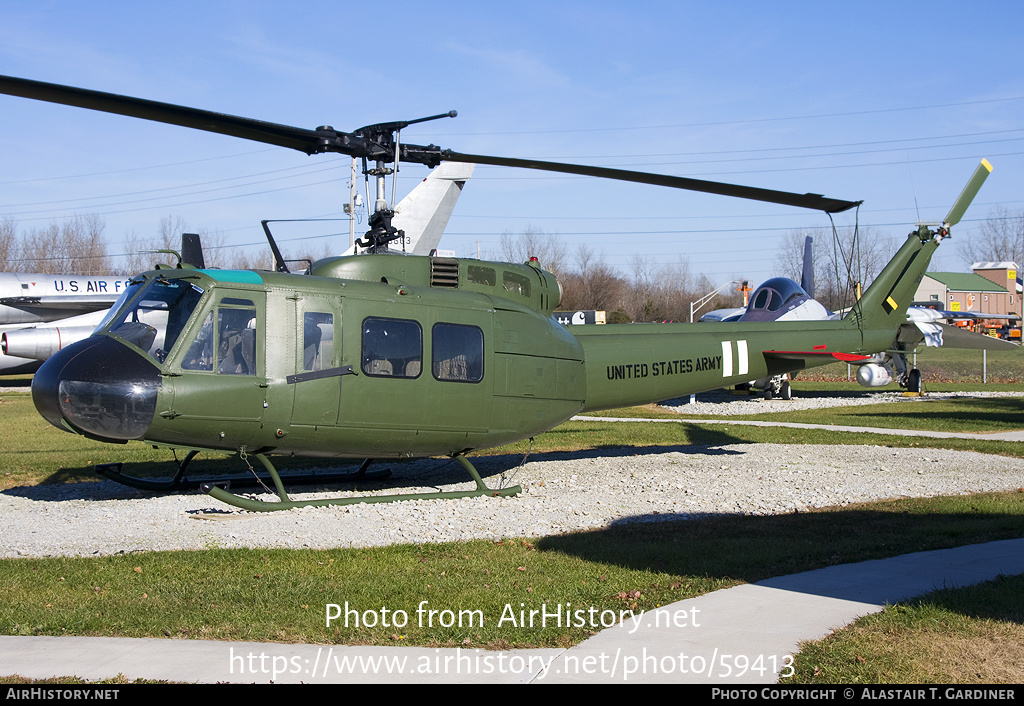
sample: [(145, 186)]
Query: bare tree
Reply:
[(600, 287), (135, 259), (8, 245), (677, 288), (1000, 239), (789, 261), (643, 300), (659, 292), (40, 250), (142, 253), (169, 232), (308, 255), (250, 259), (534, 242), (841, 260), (84, 246), (169, 238), (72, 246)]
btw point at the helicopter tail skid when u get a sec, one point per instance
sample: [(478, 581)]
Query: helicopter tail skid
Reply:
[(286, 503)]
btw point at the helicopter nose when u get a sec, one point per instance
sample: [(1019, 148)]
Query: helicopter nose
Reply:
[(98, 387)]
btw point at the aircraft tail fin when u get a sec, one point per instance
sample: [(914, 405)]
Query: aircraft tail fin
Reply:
[(807, 274), (423, 214)]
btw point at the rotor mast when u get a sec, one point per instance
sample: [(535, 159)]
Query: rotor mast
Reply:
[(386, 136)]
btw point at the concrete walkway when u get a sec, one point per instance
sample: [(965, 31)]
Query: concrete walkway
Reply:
[(740, 635), (996, 436)]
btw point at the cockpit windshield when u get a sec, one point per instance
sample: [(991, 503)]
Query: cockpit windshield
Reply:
[(776, 293), (155, 318)]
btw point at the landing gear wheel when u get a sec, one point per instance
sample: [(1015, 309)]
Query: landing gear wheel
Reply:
[(769, 393), (785, 391), (914, 381)]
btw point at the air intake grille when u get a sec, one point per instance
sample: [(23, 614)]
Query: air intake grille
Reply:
[(444, 272)]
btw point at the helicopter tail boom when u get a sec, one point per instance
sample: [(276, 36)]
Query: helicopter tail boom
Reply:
[(884, 304)]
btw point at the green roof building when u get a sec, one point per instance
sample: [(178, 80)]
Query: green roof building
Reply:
[(962, 291)]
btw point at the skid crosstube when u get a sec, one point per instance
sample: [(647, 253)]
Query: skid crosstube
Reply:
[(285, 503), (112, 471)]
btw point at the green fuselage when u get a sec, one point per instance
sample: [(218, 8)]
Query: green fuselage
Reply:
[(390, 356)]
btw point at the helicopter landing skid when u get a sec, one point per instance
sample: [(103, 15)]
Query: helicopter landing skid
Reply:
[(285, 503), (112, 471)]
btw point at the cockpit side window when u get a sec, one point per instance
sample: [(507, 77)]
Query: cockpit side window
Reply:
[(199, 355), (229, 347), (236, 335), (154, 319)]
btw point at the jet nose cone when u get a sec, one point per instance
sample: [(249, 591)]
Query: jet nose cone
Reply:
[(98, 387)]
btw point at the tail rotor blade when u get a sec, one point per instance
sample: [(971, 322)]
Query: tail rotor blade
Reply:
[(969, 192)]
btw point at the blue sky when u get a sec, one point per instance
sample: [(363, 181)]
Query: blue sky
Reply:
[(872, 101)]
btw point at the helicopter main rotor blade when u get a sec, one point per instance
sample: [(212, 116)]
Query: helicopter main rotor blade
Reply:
[(304, 140), (812, 201), (375, 142)]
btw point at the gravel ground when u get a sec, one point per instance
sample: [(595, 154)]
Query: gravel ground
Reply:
[(562, 492), (724, 402)]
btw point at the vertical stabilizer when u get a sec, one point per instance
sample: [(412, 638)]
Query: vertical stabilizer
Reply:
[(807, 275), (424, 213)]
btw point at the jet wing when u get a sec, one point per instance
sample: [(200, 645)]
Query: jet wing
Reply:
[(90, 302), (919, 313), (724, 314)]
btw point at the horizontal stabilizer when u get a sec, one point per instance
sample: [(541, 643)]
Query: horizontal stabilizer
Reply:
[(956, 337), (815, 355)]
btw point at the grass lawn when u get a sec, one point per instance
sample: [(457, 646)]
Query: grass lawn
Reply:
[(972, 635), (280, 595)]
